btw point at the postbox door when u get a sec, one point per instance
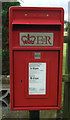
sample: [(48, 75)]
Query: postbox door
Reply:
[(42, 88)]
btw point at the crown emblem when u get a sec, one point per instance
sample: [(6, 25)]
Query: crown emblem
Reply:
[(27, 39)]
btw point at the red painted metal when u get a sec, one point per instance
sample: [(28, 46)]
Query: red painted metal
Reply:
[(36, 20)]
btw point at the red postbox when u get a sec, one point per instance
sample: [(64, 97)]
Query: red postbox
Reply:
[(36, 50)]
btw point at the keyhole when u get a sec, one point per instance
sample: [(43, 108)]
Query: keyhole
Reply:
[(21, 81)]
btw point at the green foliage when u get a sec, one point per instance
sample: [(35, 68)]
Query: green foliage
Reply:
[(67, 25), (5, 35), (5, 63)]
